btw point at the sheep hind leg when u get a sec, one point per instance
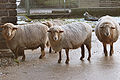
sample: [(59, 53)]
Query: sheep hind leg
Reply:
[(60, 57), (105, 49), (42, 52), (67, 54), (111, 49), (82, 52), (89, 50)]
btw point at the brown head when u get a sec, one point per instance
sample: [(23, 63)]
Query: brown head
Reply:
[(106, 29), (55, 33), (8, 31)]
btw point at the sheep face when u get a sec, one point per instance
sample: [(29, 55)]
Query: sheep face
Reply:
[(8, 31), (106, 29), (55, 34)]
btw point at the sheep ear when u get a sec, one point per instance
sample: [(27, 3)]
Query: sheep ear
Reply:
[(112, 27), (2, 26), (48, 31), (61, 31), (45, 24), (15, 28)]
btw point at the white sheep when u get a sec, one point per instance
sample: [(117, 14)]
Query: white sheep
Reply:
[(52, 24), (107, 32), (70, 36), (21, 37)]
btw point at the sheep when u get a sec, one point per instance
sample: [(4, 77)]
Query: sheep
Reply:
[(70, 36), (51, 24), (107, 32), (22, 37)]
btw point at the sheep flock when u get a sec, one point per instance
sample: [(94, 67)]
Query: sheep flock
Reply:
[(60, 35)]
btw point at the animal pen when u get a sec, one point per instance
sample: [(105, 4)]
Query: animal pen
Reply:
[(37, 7)]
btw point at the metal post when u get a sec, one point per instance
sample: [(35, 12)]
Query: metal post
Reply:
[(78, 3), (27, 7), (64, 5)]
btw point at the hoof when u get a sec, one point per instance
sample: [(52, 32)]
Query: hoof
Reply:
[(106, 55), (59, 61), (67, 61), (41, 57), (88, 59), (81, 58), (110, 54), (23, 60)]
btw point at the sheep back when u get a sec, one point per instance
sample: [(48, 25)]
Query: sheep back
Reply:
[(29, 36), (74, 35)]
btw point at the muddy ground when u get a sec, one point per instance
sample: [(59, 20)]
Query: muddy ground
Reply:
[(99, 68)]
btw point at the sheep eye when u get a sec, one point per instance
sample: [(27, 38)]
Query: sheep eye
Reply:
[(101, 27), (56, 31), (112, 27)]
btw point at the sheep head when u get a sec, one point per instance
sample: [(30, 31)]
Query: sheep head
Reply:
[(55, 33), (8, 31), (106, 29)]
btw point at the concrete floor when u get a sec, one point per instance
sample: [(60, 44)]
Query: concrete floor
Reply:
[(100, 67)]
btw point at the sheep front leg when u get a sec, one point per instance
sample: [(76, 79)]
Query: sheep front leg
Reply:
[(105, 50), (16, 52), (42, 52), (50, 50), (22, 52), (60, 57), (111, 49), (82, 52), (67, 54)]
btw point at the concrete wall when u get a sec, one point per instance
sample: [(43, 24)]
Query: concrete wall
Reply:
[(7, 14), (78, 12), (98, 3), (88, 3)]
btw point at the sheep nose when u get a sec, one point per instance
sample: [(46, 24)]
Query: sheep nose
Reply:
[(107, 34), (55, 38)]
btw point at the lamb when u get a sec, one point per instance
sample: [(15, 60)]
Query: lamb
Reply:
[(107, 32), (70, 36), (22, 37)]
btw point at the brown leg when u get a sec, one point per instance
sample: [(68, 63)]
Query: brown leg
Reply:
[(60, 57), (67, 54), (89, 51), (50, 50), (111, 49), (23, 58), (82, 52), (42, 52), (105, 50), (16, 52)]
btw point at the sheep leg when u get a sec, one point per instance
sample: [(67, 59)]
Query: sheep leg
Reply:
[(82, 52), (67, 54), (22, 52), (42, 52), (89, 50), (60, 57), (50, 50), (105, 50), (16, 52), (111, 49)]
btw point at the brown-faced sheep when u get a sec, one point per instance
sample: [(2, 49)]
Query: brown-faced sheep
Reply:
[(52, 24), (107, 32), (70, 36), (21, 37)]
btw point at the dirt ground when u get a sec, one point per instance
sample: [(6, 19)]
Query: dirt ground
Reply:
[(99, 68)]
